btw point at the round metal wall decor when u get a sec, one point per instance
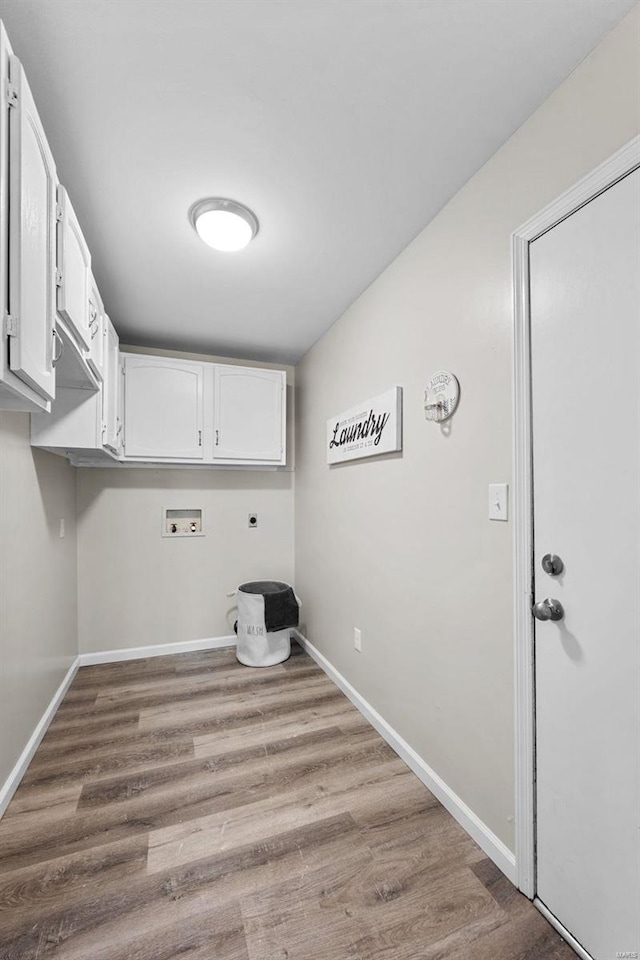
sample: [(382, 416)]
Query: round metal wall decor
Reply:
[(441, 396)]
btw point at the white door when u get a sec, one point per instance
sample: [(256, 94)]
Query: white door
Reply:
[(249, 414), (74, 271), (32, 242), (585, 342), (163, 408)]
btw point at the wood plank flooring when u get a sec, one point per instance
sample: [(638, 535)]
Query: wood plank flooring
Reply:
[(190, 807)]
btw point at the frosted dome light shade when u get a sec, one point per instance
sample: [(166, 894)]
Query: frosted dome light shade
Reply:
[(223, 224), (223, 230)]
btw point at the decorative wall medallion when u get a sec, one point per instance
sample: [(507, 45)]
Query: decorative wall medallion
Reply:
[(441, 396)]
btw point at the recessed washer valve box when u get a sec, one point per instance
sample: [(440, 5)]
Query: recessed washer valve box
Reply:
[(182, 523)]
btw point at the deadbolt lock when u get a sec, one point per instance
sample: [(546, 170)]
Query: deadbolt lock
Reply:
[(552, 564)]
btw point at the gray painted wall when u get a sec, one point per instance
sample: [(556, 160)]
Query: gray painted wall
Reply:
[(137, 588), (402, 547), (38, 629)]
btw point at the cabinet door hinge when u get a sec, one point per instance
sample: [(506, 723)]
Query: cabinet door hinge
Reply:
[(12, 94), (58, 278), (58, 212), (11, 325)]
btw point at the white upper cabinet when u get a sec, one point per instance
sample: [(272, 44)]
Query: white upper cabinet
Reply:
[(111, 390), (74, 271), (163, 408), (83, 424), (249, 414), (32, 240)]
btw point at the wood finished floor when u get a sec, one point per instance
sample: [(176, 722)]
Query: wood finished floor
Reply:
[(190, 807)]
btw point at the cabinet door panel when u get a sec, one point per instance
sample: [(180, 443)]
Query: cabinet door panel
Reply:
[(163, 408), (96, 330), (248, 417), (32, 218), (74, 271), (111, 414)]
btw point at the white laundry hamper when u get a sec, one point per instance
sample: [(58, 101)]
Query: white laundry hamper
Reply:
[(257, 645)]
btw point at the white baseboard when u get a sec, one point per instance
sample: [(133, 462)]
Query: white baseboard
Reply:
[(564, 933), (12, 782), (159, 650), (479, 831)]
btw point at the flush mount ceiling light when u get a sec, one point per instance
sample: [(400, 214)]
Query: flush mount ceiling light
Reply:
[(223, 224)]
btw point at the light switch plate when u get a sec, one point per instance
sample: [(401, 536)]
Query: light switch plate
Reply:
[(498, 501)]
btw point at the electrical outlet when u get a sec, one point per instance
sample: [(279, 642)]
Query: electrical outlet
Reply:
[(357, 639), (253, 520)]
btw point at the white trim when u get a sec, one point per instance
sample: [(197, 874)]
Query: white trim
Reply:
[(603, 177), (12, 782), (523, 577), (564, 933), (483, 836), (158, 650)]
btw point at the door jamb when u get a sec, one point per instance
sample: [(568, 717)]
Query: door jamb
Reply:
[(615, 168)]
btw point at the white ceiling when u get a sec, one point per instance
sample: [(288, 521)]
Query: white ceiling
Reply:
[(344, 124)]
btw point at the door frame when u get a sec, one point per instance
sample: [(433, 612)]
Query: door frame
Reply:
[(615, 168)]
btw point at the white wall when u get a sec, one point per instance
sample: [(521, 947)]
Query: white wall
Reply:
[(136, 588), (38, 633), (401, 547)]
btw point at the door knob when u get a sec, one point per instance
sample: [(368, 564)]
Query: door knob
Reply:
[(548, 610)]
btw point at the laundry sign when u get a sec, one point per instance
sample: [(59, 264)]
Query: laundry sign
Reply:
[(371, 428)]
